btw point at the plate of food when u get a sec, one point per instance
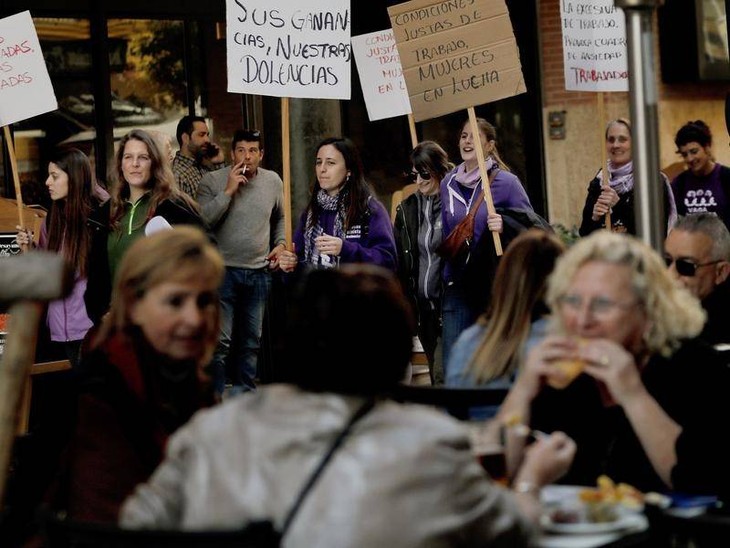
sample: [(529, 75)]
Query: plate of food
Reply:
[(581, 510)]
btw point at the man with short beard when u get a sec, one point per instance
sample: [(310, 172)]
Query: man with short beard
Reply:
[(197, 155)]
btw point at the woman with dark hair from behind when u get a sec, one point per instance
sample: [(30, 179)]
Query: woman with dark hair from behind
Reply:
[(343, 222), (247, 459), (489, 353), (144, 187), (705, 185), (417, 230), (66, 231)]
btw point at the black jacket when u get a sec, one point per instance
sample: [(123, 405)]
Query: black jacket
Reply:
[(622, 214), (99, 282)]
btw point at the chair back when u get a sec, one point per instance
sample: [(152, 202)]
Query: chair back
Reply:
[(456, 401), (60, 532)]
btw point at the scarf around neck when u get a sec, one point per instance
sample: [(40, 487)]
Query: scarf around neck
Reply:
[(326, 203), (621, 178), (470, 179)]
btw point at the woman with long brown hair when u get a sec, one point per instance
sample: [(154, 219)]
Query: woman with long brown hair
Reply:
[(144, 188), (65, 230)]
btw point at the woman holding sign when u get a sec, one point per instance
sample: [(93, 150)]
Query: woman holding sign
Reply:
[(461, 190), (66, 230), (344, 222), (617, 197)]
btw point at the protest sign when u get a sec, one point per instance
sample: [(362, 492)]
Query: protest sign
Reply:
[(381, 75), (594, 46), (294, 49), (25, 87), (456, 54)]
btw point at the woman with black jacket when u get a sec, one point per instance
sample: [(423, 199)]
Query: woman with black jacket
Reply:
[(417, 235)]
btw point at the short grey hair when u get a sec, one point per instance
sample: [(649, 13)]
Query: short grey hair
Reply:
[(713, 227)]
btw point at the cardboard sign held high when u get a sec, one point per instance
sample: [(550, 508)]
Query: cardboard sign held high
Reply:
[(456, 55)]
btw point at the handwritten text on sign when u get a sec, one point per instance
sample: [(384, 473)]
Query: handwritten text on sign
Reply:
[(456, 54), (25, 87), (381, 75), (289, 49), (594, 46)]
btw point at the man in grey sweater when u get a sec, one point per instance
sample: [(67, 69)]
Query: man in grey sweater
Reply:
[(244, 207)]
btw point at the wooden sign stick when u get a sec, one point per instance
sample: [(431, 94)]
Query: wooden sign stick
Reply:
[(412, 127), (483, 172), (606, 177), (286, 168), (16, 178)]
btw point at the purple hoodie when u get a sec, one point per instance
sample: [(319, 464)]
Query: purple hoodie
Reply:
[(507, 192), (67, 318)]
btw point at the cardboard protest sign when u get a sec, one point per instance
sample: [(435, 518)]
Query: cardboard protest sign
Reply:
[(381, 75), (456, 54), (25, 87), (594, 46), (292, 49)]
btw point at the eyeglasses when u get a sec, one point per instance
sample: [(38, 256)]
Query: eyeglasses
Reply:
[(597, 306), (425, 175), (685, 267)]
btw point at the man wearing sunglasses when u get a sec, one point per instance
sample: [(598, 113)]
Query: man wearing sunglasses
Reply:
[(697, 253)]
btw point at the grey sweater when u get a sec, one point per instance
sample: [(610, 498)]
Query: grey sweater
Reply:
[(248, 224)]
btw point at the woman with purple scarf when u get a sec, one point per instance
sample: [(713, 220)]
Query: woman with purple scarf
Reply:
[(459, 189), (618, 195)]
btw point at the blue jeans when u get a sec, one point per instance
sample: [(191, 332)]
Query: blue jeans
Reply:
[(456, 315), (243, 297)]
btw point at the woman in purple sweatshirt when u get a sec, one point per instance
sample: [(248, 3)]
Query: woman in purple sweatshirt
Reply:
[(459, 189), (65, 231), (344, 222)]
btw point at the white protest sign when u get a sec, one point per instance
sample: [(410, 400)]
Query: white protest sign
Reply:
[(289, 49), (25, 87), (594, 46), (381, 75)]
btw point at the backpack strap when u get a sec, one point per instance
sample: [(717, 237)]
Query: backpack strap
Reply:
[(363, 410)]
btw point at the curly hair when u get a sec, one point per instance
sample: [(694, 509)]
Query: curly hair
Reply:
[(694, 132), (672, 312)]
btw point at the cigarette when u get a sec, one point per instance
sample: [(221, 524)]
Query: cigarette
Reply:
[(244, 170)]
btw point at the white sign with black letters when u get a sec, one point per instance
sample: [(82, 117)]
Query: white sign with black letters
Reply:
[(594, 45), (289, 49)]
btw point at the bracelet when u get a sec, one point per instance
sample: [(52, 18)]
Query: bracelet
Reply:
[(527, 487)]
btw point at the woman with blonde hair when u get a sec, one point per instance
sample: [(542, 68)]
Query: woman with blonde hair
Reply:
[(144, 188), (143, 376), (642, 410), (489, 352)]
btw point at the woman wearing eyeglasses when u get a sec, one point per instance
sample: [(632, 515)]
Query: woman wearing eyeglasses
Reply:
[(644, 410), (617, 196), (417, 235), (459, 190), (344, 222)]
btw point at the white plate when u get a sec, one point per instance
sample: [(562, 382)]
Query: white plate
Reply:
[(627, 521)]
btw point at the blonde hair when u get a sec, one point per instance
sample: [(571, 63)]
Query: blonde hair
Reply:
[(180, 254), (673, 314), (517, 291)]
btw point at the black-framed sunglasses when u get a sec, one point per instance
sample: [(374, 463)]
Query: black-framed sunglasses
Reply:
[(686, 267), (425, 175)]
